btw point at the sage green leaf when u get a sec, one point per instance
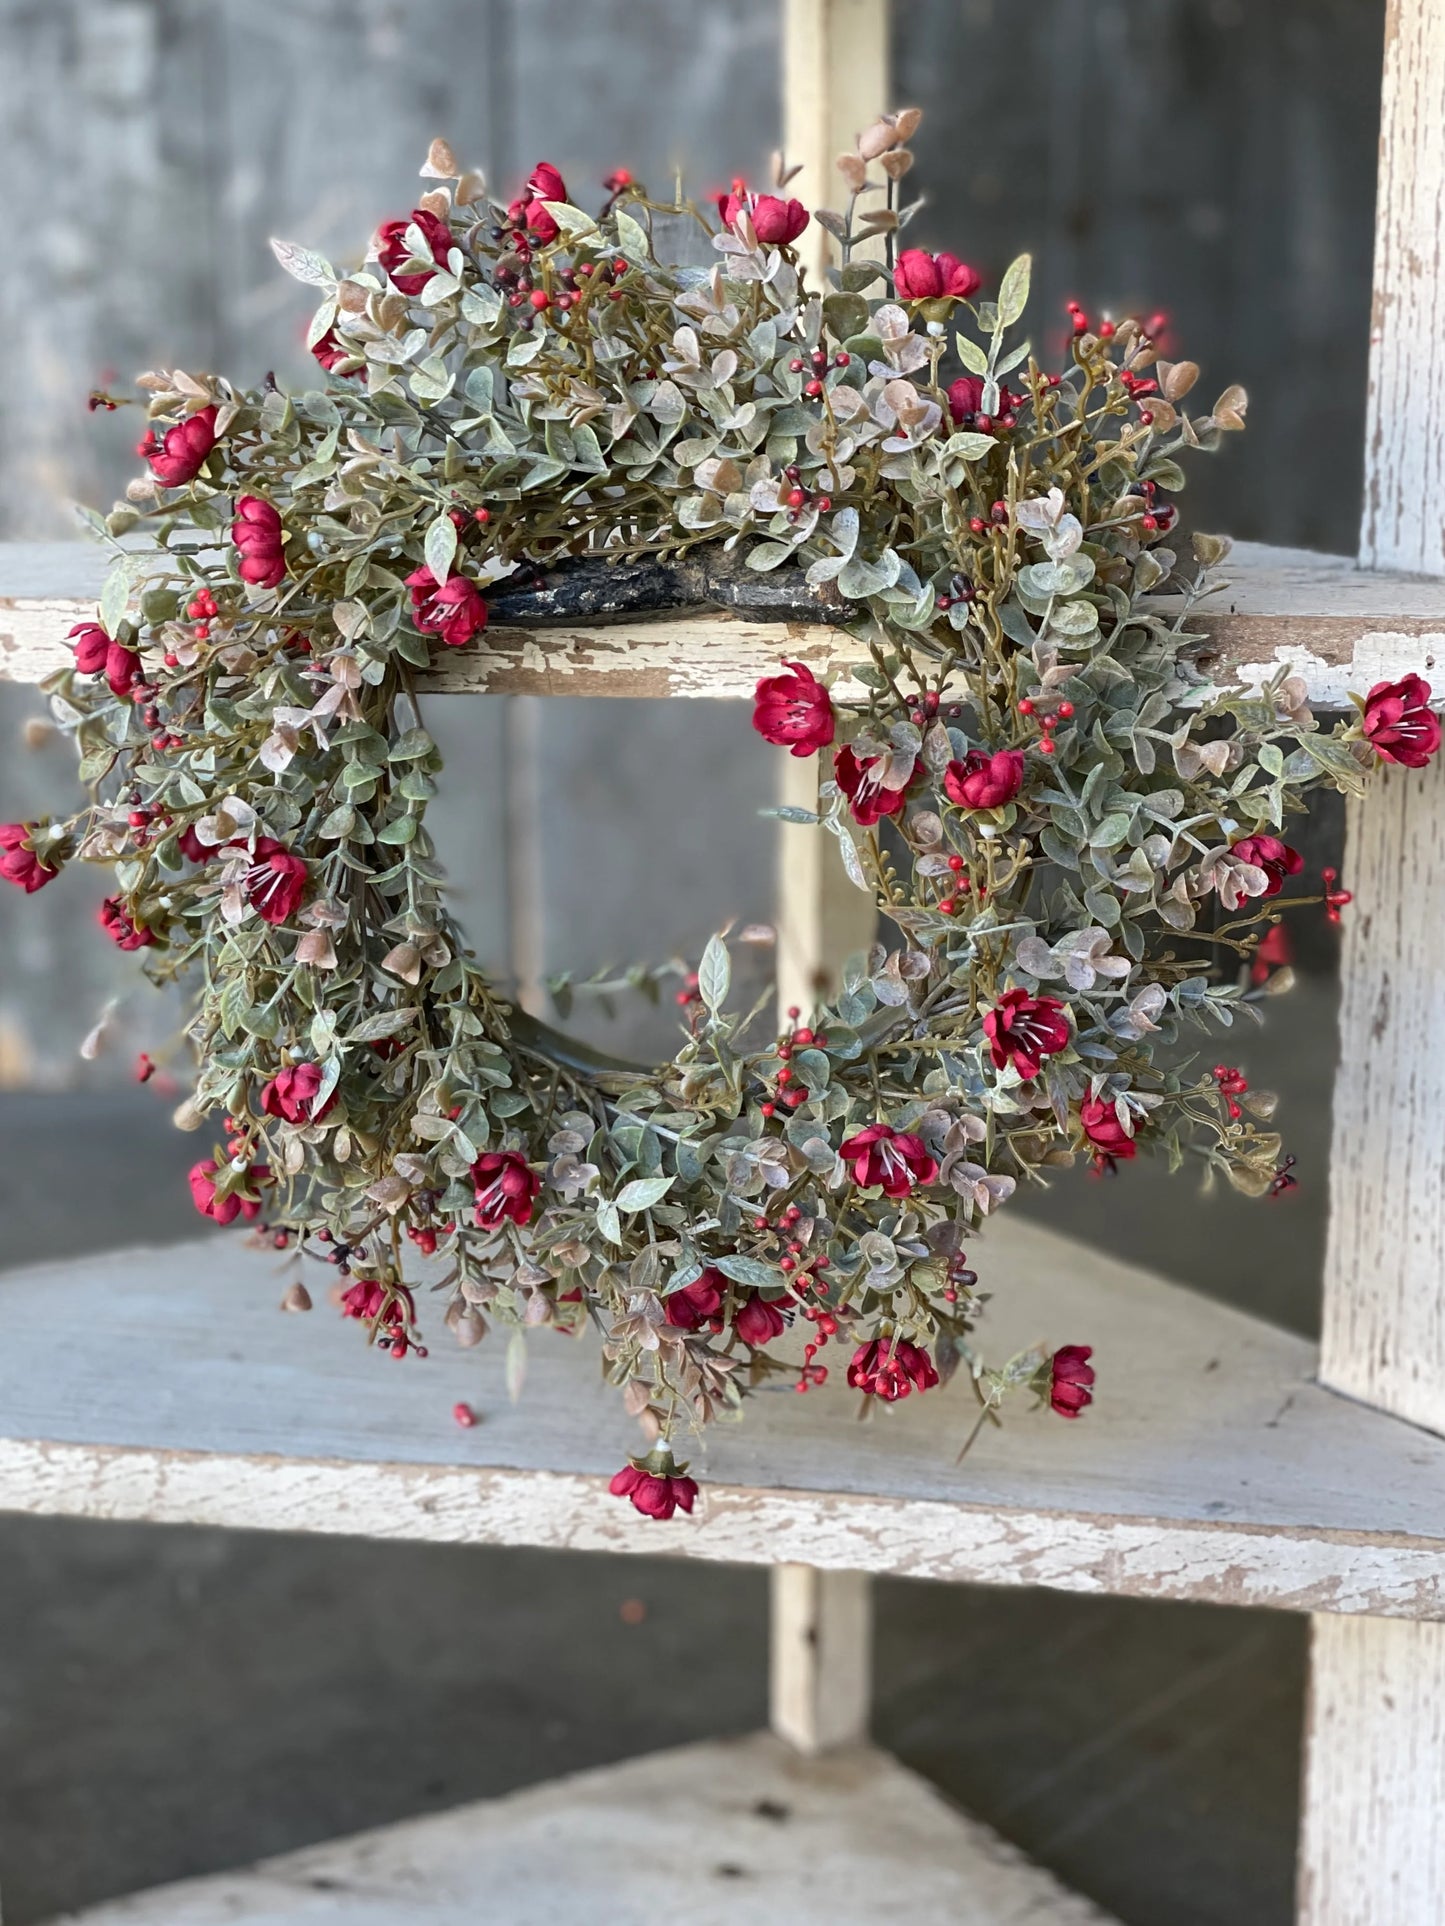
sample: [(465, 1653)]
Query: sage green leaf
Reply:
[(643, 1192)]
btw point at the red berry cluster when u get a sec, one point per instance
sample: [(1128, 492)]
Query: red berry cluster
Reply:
[(1048, 722), (798, 498), (1232, 1084), (785, 1090), (819, 362), (1335, 899)]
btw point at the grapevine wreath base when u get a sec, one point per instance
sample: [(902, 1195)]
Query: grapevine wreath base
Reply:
[(1073, 836)]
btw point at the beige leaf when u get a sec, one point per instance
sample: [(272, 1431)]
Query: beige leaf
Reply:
[(317, 949), (1177, 378), (297, 1298), (390, 1192), (440, 163), (853, 170), (404, 961)]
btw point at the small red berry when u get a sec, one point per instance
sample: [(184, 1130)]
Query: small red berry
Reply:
[(1046, 748), (796, 497), (795, 366), (1026, 707), (481, 516), (841, 359), (767, 1109), (1066, 709)]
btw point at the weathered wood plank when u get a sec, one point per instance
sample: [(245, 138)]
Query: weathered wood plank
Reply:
[(1383, 1336), (1211, 1467), (815, 1843), (1339, 626), (1372, 1852), (820, 1684), (835, 80)]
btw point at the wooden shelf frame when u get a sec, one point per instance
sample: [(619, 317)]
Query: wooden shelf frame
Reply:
[(1216, 1468), (1339, 626)]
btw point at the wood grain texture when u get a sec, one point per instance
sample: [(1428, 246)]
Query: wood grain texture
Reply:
[(820, 1683), (851, 1838), (1404, 517), (1383, 1330), (1211, 1467), (1372, 1850), (1341, 627)]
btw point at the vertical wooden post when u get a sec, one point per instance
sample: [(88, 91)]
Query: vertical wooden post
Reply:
[(1372, 1847), (1384, 1313), (820, 1684), (835, 80)]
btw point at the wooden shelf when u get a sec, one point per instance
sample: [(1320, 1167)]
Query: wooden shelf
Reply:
[(736, 1830), (1341, 627), (165, 1385)]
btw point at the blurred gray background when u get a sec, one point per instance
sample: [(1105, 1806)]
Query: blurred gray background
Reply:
[(175, 1701)]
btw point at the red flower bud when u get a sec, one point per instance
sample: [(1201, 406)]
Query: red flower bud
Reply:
[(654, 1494), (275, 881), (1070, 1376), (891, 1368), (291, 1094), (889, 1160), (120, 928), (984, 781), (1399, 724), (1105, 1132), (1023, 1030), (794, 711), (759, 1321), (506, 1187), (453, 609), (1275, 858), (18, 862), (920, 276), (392, 247), (256, 532), (181, 455), (696, 1304), (862, 783), (237, 1203)]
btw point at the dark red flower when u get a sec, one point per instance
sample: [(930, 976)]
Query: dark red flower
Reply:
[(181, 455), (18, 862), (759, 1321), (891, 1368), (97, 653), (507, 1187), (1023, 1030), (454, 610), (226, 1209), (1071, 1374), (1275, 858), (330, 350), (920, 276), (392, 247), (125, 934), (256, 532), (984, 781), (862, 783), (544, 184), (698, 1303), (889, 1160), (291, 1093), (369, 1300), (1399, 723), (777, 222), (794, 711), (965, 397), (1105, 1132), (276, 880), (191, 846), (655, 1494)]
